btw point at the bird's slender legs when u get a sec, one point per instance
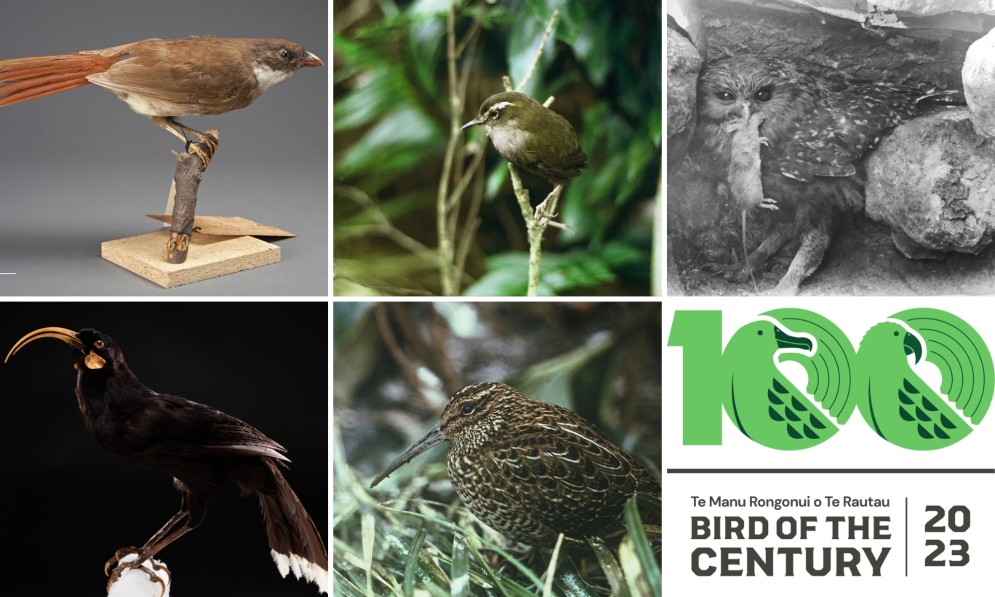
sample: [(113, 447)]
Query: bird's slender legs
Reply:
[(163, 537), (180, 130)]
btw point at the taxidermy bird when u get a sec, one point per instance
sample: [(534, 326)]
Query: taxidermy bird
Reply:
[(164, 79), (204, 450), (534, 138), (810, 159)]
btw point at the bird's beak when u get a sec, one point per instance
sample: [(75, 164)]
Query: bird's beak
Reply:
[(68, 336), (473, 122), (785, 340), (912, 346), (312, 60), (433, 437), (92, 360)]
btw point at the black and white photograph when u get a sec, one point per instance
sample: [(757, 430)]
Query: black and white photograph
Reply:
[(830, 148)]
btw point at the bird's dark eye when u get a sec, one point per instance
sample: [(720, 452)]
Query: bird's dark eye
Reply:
[(760, 332), (896, 333), (493, 113), (467, 409), (725, 96), (98, 344), (285, 54), (763, 94)]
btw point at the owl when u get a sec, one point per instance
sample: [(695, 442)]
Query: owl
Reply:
[(813, 136)]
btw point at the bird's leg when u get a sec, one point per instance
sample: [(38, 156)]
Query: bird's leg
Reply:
[(546, 211), (163, 537), (206, 146), (143, 553)]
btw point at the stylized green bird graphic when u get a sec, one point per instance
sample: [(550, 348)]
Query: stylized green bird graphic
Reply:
[(898, 404), (763, 403)]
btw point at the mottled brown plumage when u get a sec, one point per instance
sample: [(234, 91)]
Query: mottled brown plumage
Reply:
[(815, 138), (532, 469)]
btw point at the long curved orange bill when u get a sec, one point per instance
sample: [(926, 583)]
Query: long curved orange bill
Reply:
[(68, 336)]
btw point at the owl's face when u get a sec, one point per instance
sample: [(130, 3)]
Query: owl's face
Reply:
[(731, 89)]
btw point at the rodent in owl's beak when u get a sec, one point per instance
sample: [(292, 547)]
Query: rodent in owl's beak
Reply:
[(745, 111)]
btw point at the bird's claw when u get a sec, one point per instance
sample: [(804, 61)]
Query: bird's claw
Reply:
[(118, 555), (136, 564), (205, 148), (543, 219), (769, 203)]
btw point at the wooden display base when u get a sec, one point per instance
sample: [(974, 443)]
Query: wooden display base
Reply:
[(210, 257)]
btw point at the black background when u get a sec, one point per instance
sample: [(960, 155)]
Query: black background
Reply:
[(68, 505)]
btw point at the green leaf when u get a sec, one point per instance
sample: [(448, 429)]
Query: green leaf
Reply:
[(380, 93), (402, 139), (523, 42), (610, 566), (460, 569), (644, 551)]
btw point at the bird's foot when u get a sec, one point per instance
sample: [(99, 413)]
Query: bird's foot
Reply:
[(543, 218), (205, 148), (769, 203), (129, 558), (118, 556)]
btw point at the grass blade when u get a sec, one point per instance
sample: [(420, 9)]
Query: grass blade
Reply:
[(613, 572), (547, 590), (648, 561), (460, 569), (411, 565)]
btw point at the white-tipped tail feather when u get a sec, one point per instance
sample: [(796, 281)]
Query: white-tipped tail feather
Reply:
[(301, 568)]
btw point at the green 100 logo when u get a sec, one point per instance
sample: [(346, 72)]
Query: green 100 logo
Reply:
[(879, 378)]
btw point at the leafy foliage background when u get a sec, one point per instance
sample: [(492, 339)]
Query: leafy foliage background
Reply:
[(391, 126)]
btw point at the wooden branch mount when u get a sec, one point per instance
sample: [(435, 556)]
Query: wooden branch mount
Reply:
[(190, 168)]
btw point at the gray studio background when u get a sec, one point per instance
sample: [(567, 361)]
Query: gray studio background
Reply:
[(80, 168)]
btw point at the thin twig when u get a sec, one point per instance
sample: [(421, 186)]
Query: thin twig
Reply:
[(442, 223), (542, 46), (534, 230), (383, 225)]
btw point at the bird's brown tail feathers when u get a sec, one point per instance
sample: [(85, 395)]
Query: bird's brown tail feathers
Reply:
[(294, 541), (23, 79)]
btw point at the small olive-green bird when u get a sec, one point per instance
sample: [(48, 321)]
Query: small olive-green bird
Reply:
[(532, 137), (897, 403), (763, 403)]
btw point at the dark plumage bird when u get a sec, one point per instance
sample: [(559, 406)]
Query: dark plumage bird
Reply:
[(814, 139), (531, 469), (532, 137), (205, 451)]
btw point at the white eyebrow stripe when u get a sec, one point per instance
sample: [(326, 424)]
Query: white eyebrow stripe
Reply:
[(500, 105)]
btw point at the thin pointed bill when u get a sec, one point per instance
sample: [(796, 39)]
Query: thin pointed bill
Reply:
[(473, 122), (433, 437), (68, 336)]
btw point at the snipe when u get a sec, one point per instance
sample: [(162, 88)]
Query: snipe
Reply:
[(532, 469)]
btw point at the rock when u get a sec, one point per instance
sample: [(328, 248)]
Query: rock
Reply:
[(978, 75), (932, 183)]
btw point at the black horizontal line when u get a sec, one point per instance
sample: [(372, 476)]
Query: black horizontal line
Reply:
[(832, 471)]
